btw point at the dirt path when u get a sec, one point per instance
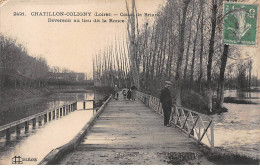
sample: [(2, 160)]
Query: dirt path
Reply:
[(127, 132)]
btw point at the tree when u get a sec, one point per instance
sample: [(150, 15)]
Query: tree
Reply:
[(133, 23), (211, 52), (181, 51), (220, 91)]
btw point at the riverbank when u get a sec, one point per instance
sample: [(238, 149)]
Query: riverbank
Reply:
[(237, 101), (222, 157), (105, 91), (71, 88)]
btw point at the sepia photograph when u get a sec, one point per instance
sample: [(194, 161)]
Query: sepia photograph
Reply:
[(129, 82)]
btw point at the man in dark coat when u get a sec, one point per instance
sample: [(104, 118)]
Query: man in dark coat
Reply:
[(129, 92), (116, 92), (166, 100)]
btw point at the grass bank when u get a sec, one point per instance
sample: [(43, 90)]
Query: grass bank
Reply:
[(71, 88), (105, 91), (223, 157)]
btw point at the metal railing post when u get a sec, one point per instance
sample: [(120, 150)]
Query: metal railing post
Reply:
[(8, 134), (199, 134), (60, 112), (53, 114), (212, 135), (49, 116), (57, 113), (34, 123), (45, 118), (26, 126), (149, 101), (18, 130), (40, 121)]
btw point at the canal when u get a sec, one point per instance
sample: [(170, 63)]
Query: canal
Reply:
[(238, 130), (37, 143)]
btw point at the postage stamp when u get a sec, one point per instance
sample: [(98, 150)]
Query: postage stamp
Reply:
[(240, 24)]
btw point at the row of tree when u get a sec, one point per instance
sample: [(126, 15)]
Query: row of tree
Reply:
[(184, 45), (17, 67), (111, 66)]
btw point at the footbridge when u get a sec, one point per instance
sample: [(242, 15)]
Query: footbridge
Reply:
[(119, 132), (132, 132)]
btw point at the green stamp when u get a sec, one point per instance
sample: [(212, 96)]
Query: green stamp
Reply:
[(240, 24)]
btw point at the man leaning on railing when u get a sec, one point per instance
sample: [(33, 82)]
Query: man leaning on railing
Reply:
[(166, 100)]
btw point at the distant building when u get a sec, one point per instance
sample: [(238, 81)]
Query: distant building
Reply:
[(73, 77)]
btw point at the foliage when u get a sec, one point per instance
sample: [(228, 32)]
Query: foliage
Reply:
[(17, 67), (184, 45)]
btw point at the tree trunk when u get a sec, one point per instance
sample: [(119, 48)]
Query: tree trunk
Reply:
[(250, 74), (194, 50), (188, 47), (211, 52), (201, 47), (220, 94), (181, 51), (201, 53), (133, 47), (154, 55)]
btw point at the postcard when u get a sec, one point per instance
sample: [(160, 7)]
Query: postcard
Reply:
[(129, 82)]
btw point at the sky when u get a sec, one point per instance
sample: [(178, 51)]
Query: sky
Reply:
[(69, 45), (72, 45)]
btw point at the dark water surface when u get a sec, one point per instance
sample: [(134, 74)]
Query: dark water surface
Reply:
[(37, 105), (36, 144)]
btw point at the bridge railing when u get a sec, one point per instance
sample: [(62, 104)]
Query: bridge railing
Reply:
[(197, 126), (44, 116)]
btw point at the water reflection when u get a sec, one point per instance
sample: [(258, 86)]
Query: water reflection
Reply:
[(242, 94), (39, 142), (10, 113), (238, 130)]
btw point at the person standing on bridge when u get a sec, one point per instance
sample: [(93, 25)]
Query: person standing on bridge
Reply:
[(116, 92), (129, 94), (166, 100), (133, 95)]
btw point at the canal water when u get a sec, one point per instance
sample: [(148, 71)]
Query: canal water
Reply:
[(36, 144), (238, 130), (34, 106)]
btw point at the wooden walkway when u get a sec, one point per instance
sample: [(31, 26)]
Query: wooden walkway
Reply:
[(128, 132)]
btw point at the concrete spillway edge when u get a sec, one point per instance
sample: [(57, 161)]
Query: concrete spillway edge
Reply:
[(57, 154)]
